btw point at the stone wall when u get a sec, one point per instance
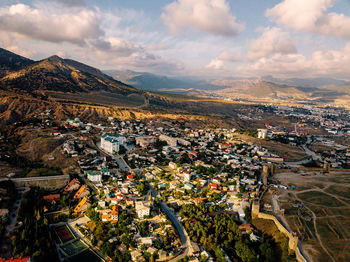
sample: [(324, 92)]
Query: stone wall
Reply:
[(293, 240), (45, 182)]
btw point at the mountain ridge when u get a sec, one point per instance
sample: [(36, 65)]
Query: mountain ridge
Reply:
[(10, 62), (64, 75)]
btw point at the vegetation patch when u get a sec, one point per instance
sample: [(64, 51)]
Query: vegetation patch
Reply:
[(268, 227)]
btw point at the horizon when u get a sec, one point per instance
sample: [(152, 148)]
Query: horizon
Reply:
[(211, 39)]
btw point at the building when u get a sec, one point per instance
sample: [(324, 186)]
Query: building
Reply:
[(172, 165), (142, 209), (52, 199), (262, 133), (145, 141), (73, 185), (187, 176), (112, 142), (94, 176), (172, 141)]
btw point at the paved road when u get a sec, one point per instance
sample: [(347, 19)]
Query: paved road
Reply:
[(185, 241), (122, 164)]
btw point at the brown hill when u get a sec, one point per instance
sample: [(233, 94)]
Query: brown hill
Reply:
[(62, 75)]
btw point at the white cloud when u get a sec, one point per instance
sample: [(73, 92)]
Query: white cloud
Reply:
[(20, 51), (272, 41), (223, 58), (310, 16), (121, 54), (212, 16), (39, 24), (115, 46), (332, 63), (156, 47), (215, 64), (230, 57)]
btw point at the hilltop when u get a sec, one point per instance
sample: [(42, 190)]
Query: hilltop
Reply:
[(10, 62), (62, 75)]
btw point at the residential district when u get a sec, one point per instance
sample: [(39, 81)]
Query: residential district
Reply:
[(162, 190)]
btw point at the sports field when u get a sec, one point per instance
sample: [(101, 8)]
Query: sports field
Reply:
[(86, 256), (74, 247), (64, 234)]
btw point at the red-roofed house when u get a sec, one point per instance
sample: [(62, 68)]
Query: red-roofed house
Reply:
[(24, 259), (213, 185), (52, 199)]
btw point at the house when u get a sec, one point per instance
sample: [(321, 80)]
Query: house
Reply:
[(189, 186), (225, 146), (136, 255), (110, 215), (52, 199), (172, 165), (245, 228), (213, 186), (187, 175), (72, 185), (111, 142)]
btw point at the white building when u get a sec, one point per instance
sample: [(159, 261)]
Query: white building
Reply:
[(94, 177), (111, 142), (262, 133), (172, 141), (142, 209)]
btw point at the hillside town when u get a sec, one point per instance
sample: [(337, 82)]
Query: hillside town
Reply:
[(138, 186)]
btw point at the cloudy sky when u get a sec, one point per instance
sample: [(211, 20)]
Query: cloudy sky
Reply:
[(203, 38)]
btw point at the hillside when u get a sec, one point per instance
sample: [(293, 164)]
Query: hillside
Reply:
[(62, 75), (159, 83), (10, 62)]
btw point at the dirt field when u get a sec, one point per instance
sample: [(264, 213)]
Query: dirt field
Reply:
[(288, 152), (318, 210)]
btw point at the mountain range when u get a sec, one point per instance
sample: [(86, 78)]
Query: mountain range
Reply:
[(28, 87), (262, 88)]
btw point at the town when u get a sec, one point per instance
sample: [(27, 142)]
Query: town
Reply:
[(143, 190)]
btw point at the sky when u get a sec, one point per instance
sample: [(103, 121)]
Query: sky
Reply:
[(213, 39)]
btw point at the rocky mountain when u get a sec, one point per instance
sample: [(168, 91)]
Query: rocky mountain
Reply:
[(264, 88), (10, 62), (307, 82), (159, 83), (62, 75)]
